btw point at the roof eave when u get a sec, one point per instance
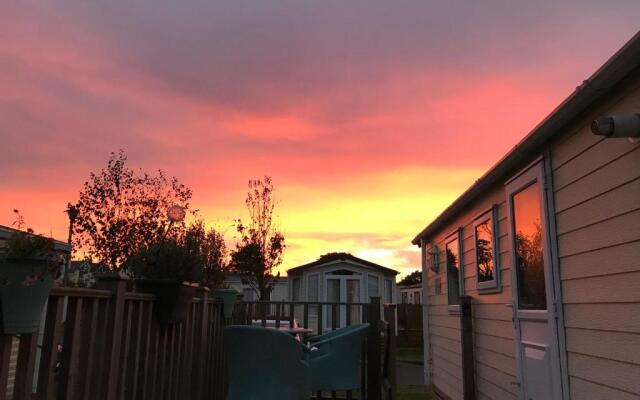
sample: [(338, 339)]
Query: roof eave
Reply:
[(612, 72)]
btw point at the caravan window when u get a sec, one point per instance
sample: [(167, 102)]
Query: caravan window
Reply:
[(388, 291), (454, 273), (296, 289), (486, 240), (312, 290), (373, 286)]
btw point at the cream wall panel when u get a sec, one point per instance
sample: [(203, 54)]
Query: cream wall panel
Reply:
[(616, 374)]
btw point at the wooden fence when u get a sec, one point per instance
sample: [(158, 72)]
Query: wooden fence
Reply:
[(410, 325), (105, 344)]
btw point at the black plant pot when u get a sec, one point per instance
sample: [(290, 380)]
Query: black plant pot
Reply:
[(173, 299), (22, 301)]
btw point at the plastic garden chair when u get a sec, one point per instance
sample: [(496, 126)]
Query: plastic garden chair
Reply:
[(335, 360), (265, 364), (330, 334)]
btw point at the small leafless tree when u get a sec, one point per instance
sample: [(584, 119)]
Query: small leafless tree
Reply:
[(261, 245)]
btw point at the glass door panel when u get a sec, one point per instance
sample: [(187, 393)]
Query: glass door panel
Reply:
[(353, 296), (529, 243), (333, 296)]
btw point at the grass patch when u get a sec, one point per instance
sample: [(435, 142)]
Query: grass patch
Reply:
[(414, 392), (410, 354)]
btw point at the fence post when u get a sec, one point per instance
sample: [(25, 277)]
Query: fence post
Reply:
[(68, 374), (114, 334), (5, 355), (201, 344), (23, 386), (240, 311), (49, 352), (374, 367), (263, 311), (468, 359), (390, 317)]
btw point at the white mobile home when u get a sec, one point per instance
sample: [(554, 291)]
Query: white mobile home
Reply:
[(280, 290), (410, 294), (547, 247), (343, 278)]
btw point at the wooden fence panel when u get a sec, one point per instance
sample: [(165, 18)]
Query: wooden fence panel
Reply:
[(106, 344), (389, 364), (410, 325)]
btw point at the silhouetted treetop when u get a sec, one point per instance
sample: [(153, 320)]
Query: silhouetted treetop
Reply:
[(412, 279), (334, 255)]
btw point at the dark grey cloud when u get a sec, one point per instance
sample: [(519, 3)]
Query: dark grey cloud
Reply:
[(369, 76), (270, 56)]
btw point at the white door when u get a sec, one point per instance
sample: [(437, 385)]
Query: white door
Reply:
[(539, 374), (342, 289)]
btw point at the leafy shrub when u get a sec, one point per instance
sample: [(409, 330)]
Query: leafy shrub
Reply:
[(177, 260), (28, 245)]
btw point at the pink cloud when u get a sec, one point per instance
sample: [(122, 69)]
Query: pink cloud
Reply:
[(317, 96)]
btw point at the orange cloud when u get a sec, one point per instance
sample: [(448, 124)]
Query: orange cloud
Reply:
[(370, 118)]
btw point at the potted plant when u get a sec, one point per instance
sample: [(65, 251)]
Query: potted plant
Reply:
[(229, 297), (28, 267), (169, 269)]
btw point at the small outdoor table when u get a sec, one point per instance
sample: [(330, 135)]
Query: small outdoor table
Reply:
[(298, 332)]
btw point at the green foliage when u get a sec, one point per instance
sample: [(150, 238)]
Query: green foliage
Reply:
[(412, 355), (121, 211), (178, 260), (334, 255), (196, 255), (412, 279), (261, 246), (29, 245), (213, 252)]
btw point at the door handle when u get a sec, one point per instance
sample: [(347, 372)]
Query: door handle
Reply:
[(508, 305)]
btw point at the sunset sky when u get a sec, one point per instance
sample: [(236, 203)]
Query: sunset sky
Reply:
[(370, 116)]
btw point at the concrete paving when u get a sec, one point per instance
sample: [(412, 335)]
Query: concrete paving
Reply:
[(409, 374)]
